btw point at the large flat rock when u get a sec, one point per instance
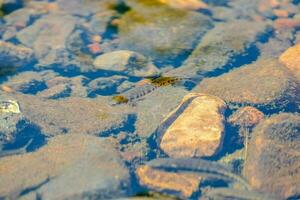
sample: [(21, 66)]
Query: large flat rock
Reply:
[(69, 166)]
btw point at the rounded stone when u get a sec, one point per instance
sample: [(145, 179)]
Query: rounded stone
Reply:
[(246, 117), (184, 183), (129, 62), (195, 128), (291, 59)]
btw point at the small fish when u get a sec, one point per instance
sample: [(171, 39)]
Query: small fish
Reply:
[(205, 168), (134, 94), (148, 86)]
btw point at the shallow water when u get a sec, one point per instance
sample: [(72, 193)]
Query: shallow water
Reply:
[(149, 99)]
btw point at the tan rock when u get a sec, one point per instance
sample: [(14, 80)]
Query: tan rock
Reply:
[(263, 83), (246, 117), (83, 163), (291, 59), (273, 162), (185, 183), (198, 130), (67, 115)]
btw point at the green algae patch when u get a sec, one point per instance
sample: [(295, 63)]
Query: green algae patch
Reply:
[(159, 31)]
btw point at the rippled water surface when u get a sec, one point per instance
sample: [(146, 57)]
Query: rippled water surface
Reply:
[(149, 99)]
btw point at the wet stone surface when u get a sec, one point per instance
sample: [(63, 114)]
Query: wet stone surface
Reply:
[(273, 156), (195, 128), (69, 160), (149, 99)]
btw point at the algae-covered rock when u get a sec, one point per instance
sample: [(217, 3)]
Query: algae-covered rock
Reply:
[(159, 31), (129, 62), (264, 83), (195, 128), (221, 44), (186, 4), (69, 166), (273, 161)]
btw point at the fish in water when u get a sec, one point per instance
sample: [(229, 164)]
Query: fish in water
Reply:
[(205, 168), (148, 86), (236, 194)]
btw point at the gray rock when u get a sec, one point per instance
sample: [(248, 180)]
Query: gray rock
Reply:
[(160, 32), (12, 56), (129, 62), (61, 87), (107, 84), (272, 162), (90, 167), (48, 33), (30, 82), (100, 21), (83, 8), (66, 115), (16, 21)]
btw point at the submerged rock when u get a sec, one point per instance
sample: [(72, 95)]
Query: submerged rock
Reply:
[(66, 115), (47, 33), (108, 85), (128, 62), (29, 82), (10, 116), (61, 87), (183, 183), (219, 46), (291, 59), (12, 56), (88, 165), (159, 31), (265, 83), (153, 108), (273, 161), (195, 128), (246, 117)]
